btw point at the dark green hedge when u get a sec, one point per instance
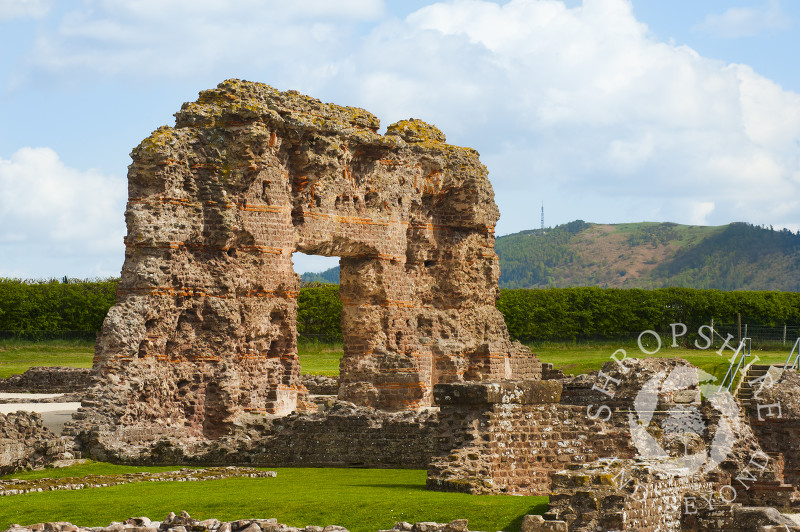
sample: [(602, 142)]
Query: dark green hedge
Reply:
[(48, 306), (597, 313), (539, 314)]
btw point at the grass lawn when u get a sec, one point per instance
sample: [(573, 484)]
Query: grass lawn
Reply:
[(17, 355), (321, 358), (575, 358), (358, 499)]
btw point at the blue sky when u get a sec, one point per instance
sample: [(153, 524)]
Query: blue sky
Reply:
[(606, 110)]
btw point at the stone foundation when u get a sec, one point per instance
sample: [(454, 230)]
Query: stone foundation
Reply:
[(620, 495)]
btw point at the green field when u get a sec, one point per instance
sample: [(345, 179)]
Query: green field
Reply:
[(358, 499), (18, 355), (320, 358), (575, 358)]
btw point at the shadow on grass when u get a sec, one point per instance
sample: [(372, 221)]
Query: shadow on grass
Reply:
[(537, 509)]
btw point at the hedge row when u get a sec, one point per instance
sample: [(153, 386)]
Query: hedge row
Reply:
[(53, 306), (608, 313), (545, 314)]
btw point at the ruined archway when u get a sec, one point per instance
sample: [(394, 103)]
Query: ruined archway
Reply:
[(218, 204)]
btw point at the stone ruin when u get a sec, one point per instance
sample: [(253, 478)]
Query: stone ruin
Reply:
[(204, 333), (204, 328)]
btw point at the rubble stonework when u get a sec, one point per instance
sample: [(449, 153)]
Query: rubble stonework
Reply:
[(204, 327), (25, 443), (49, 379), (343, 435), (14, 486), (511, 437), (183, 522), (621, 495)]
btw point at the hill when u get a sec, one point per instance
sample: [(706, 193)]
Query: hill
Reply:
[(330, 276), (736, 256)]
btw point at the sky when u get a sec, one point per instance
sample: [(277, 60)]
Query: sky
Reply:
[(609, 111)]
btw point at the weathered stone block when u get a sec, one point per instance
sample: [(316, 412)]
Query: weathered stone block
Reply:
[(502, 392), (536, 523)]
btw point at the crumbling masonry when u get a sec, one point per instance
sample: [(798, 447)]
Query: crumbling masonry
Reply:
[(204, 328)]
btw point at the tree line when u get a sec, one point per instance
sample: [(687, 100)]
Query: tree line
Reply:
[(538, 314)]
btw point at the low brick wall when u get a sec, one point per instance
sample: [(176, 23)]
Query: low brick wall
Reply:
[(55, 379), (342, 436), (321, 384), (509, 437), (25, 443), (781, 435), (620, 495)]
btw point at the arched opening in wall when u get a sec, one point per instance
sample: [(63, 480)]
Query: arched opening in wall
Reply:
[(319, 333)]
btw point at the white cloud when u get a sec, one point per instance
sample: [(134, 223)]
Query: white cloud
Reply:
[(700, 211), (738, 22), (581, 107), (12, 9), (54, 212), (173, 39), (584, 104)]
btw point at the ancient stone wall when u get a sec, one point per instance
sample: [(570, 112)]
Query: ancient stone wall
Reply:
[(204, 328), (55, 379), (736, 518), (511, 437), (341, 436), (775, 419), (25, 443), (620, 495), (781, 437)]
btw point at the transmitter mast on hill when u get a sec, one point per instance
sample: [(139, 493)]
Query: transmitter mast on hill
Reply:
[(542, 217)]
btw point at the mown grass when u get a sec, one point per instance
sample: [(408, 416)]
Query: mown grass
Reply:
[(576, 357), (16, 356), (358, 499), (321, 358)]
